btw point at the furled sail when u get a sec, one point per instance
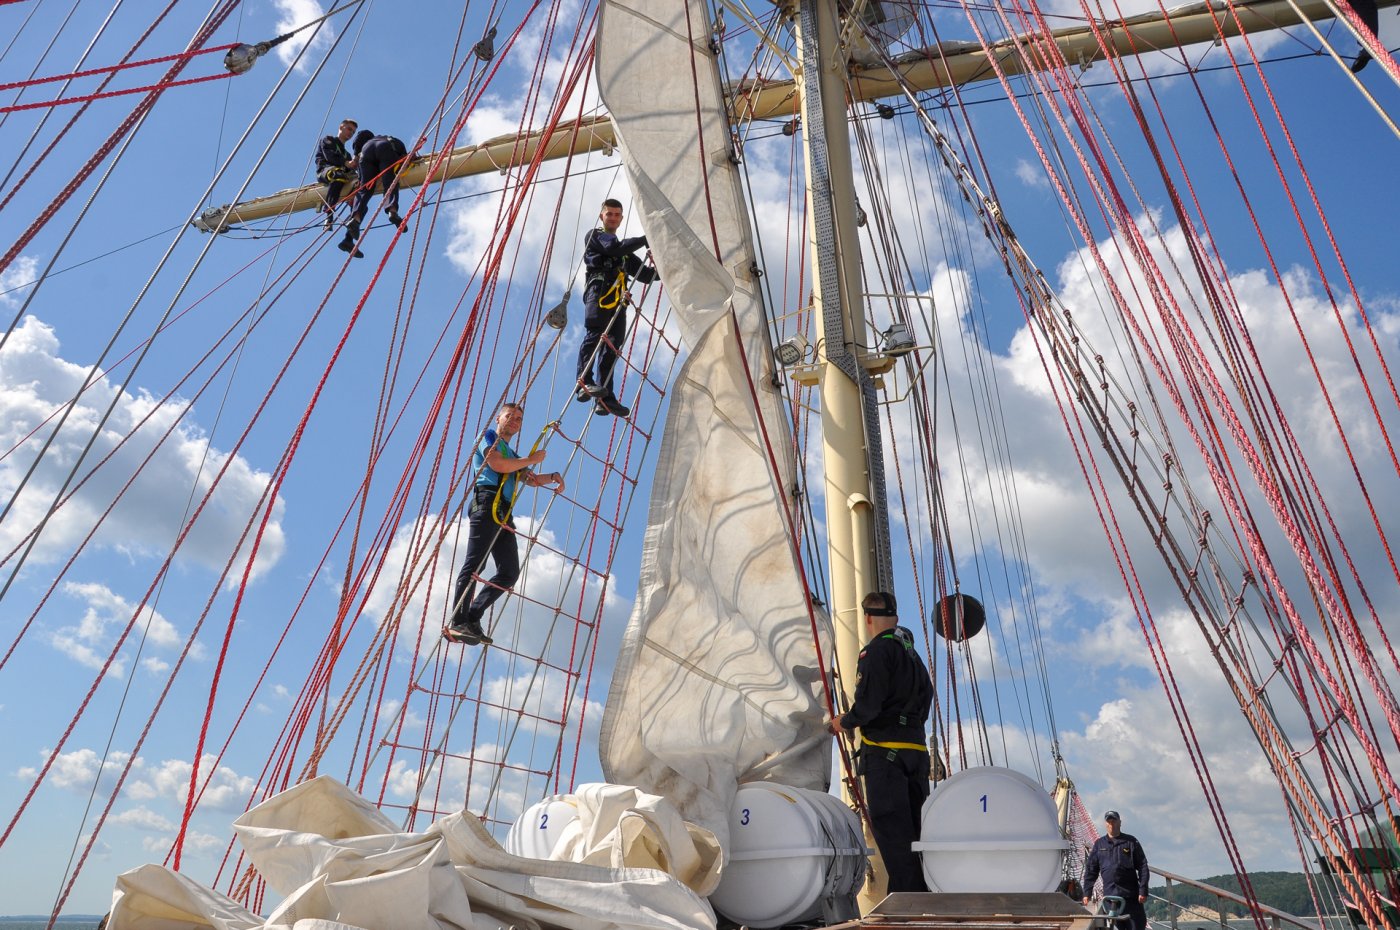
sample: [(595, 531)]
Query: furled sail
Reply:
[(339, 864), (717, 682)]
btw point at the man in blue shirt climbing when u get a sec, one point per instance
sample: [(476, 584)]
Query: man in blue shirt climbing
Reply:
[(892, 701), (1119, 858), (607, 262), (490, 525)]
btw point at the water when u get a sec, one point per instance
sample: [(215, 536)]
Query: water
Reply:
[(63, 923)]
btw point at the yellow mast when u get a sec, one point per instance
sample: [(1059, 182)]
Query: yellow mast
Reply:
[(857, 526)]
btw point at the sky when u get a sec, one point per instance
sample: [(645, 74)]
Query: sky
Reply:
[(1042, 565)]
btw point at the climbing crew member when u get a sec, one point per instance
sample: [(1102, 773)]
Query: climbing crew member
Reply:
[(608, 262), (334, 167), (380, 160), (490, 526), (892, 701), (1119, 858)]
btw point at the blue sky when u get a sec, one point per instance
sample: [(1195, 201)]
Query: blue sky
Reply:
[(1115, 731)]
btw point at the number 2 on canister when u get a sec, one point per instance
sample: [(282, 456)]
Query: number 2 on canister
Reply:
[(544, 820)]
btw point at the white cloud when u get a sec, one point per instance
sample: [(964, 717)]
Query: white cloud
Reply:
[(78, 769), (195, 842), (16, 279), (1031, 175), (292, 14), (155, 666), (142, 818), (170, 779), (89, 641), (1127, 752), (35, 384), (166, 782)]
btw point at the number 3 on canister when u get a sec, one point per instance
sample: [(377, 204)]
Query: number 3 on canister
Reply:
[(744, 820)]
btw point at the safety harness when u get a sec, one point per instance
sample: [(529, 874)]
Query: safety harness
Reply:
[(613, 295), (515, 486), (912, 712)]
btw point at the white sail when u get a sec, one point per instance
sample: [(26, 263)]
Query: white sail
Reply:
[(717, 682), (334, 858)]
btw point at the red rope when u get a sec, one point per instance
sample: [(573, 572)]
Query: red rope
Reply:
[(73, 119), (121, 66), (140, 110), (88, 98)]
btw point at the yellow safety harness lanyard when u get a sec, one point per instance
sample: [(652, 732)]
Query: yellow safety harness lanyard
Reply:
[(515, 487), (613, 295), (918, 746)]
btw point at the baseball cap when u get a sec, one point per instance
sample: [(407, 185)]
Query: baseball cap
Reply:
[(1111, 815)]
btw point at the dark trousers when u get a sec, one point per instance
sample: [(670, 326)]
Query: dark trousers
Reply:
[(486, 537), (333, 188), (598, 323), (377, 159), (895, 791)]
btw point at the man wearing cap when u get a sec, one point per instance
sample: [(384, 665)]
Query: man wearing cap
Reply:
[(892, 700), (1119, 858)]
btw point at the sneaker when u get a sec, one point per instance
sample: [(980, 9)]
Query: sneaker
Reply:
[(398, 221), (348, 245), (473, 628), (455, 634), (608, 404), (587, 391)]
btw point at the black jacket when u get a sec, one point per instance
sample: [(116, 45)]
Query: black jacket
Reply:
[(893, 690), (1121, 862), (331, 153), (604, 255)]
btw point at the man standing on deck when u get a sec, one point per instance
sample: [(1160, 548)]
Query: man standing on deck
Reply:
[(608, 262), (379, 159), (333, 167), (497, 468), (1119, 858), (892, 701)]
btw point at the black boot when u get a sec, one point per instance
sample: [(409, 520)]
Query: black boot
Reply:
[(352, 233), (466, 628), (609, 404)]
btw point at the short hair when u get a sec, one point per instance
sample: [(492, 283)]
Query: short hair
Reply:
[(880, 604), (361, 138), (613, 202), (353, 124), (512, 405)]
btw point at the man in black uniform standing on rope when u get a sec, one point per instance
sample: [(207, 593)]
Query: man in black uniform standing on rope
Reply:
[(892, 701), (1119, 858), (380, 160), (608, 262), (334, 167)]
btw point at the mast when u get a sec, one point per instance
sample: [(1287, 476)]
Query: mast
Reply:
[(857, 522)]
